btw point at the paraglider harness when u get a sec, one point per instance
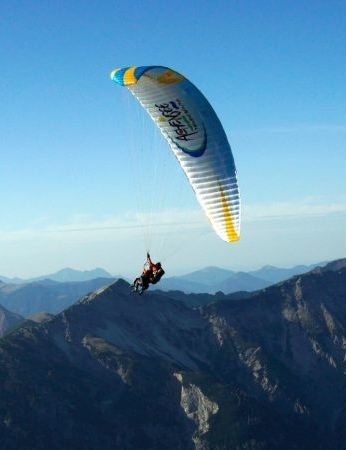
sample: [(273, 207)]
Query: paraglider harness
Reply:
[(152, 274)]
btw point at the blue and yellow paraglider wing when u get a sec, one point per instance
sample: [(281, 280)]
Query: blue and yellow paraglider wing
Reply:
[(196, 136)]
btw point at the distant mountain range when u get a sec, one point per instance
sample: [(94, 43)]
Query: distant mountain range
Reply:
[(53, 294), (210, 277), (63, 276), (214, 279), (117, 370), (46, 295)]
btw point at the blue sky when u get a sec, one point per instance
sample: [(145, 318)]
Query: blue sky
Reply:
[(274, 72)]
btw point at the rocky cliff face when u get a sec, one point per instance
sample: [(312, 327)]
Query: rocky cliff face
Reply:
[(119, 371)]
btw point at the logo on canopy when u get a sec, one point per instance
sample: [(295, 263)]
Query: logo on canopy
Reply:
[(184, 129)]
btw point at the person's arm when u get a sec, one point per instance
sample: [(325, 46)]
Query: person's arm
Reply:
[(149, 260)]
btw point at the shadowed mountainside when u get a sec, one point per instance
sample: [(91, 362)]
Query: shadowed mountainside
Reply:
[(8, 320), (120, 371)]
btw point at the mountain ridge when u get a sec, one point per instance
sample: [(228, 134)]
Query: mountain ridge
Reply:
[(148, 372), (202, 277), (203, 280), (53, 296), (64, 275), (46, 295)]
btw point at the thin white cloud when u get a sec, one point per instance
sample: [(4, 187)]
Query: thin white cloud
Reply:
[(82, 228), (292, 210), (118, 227)]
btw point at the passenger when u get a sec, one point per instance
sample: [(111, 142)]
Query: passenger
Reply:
[(158, 273)]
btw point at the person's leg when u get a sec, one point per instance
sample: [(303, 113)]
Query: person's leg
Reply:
[(136, 284)]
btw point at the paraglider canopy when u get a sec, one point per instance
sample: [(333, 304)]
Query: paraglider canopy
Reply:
[(195, 135)]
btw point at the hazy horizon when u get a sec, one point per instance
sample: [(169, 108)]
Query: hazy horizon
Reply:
[(182, 272)]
